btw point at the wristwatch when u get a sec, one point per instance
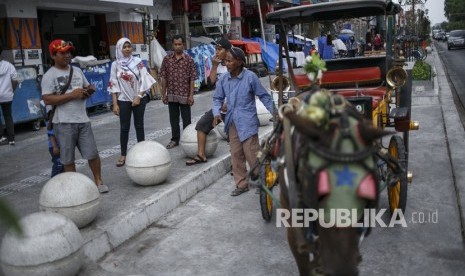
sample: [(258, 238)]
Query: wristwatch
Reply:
[(140, 96)]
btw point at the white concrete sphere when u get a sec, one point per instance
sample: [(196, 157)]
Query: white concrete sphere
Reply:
[(264, 115), (220, 129), (189, 142), (73, 195), (51, 245), (429, 49), (148, 163)]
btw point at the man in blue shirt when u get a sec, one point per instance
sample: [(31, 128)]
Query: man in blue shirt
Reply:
[(240, 87)]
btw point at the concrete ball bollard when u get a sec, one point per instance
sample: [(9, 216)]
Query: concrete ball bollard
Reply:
[(220, 129), (148, 163), (188, 142), (428, 49), (72, 195), (264, 115), (51, 245)]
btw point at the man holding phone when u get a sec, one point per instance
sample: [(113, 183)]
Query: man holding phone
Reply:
[(67, 88)]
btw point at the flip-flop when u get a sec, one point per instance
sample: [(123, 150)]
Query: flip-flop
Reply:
[(239, 191), (121, 163), (172, 144), (196, 160)]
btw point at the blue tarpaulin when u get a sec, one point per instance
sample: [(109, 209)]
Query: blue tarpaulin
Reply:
[(202, 55), (296, 41), (270, 56)]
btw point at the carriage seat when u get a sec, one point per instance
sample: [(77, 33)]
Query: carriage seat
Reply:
[(376, 93), (350, 79)]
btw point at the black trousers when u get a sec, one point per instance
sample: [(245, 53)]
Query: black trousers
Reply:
[(125, 110), (174, 110), (10, 128)]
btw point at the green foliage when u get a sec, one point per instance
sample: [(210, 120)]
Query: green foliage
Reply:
[(8, 218), (421, 71), (315, 64), (454, 10), (454, 25)]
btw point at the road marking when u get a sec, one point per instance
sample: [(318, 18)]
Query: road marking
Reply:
[(44, 175)]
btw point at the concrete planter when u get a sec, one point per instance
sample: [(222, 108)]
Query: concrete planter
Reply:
[(188, 142), (73, 195), (148, 163), (51, 245)]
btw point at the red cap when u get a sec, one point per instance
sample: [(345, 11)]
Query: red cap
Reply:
[(59, 45)]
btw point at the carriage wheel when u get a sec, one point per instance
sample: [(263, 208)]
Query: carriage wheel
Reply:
[(266, 201), (397, 192)]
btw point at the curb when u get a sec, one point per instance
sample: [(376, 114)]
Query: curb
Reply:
[(132, 222), (455, 139)]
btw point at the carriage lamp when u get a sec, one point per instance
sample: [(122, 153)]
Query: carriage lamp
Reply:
[(409, 176), (414, 125)]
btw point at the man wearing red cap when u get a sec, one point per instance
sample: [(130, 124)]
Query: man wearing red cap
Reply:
[(67, 89)]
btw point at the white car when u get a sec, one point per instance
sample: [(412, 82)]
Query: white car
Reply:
[(456, 39)]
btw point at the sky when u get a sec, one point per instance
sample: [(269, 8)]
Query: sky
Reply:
[(435, 11)]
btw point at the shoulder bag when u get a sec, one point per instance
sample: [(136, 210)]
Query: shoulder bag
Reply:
[(62, 91)]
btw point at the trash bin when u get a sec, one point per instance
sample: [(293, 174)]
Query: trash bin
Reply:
[(26, 100)]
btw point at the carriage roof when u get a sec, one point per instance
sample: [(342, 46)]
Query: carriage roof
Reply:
[(332, 11)]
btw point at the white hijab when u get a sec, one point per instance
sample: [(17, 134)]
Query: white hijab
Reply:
[(130, 61)]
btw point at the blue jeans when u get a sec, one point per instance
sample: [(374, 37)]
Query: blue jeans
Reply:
[(57, 167)]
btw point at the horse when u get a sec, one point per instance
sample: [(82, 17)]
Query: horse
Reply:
[(325, 154)]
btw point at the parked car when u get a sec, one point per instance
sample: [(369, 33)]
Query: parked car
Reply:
[(456, 39)]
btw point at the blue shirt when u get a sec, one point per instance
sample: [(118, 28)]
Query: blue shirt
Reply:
[(240, 95)]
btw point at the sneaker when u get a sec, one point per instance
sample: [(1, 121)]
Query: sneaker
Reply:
[(3, 141), (12, 143), (102, 188)]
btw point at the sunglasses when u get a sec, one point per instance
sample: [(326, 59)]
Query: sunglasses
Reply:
[(62, 45)]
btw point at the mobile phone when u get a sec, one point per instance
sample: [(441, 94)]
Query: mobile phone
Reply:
[(90, 90)]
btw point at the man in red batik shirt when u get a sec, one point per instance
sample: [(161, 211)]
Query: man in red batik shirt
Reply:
[(178, 74)]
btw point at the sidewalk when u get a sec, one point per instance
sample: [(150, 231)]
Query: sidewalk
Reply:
[(207, 222), (128, 209), (105, 233)]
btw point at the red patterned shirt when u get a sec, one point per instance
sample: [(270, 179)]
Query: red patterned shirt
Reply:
[(178, 73)]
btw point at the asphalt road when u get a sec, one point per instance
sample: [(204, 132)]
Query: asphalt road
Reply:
[(454, 64)]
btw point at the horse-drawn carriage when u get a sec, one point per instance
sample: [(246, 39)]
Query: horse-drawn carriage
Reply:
[(326, 150)]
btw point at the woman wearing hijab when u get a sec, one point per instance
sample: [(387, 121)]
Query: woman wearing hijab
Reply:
[(129, 79)]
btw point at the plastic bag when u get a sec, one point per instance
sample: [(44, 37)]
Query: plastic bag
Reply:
[(158, 53)]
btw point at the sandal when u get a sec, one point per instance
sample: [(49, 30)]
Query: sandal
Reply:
[(196, 160), (239, 191), (172, 144), (121, 162)]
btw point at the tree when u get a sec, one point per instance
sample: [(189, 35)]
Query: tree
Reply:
[(454, 10)]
